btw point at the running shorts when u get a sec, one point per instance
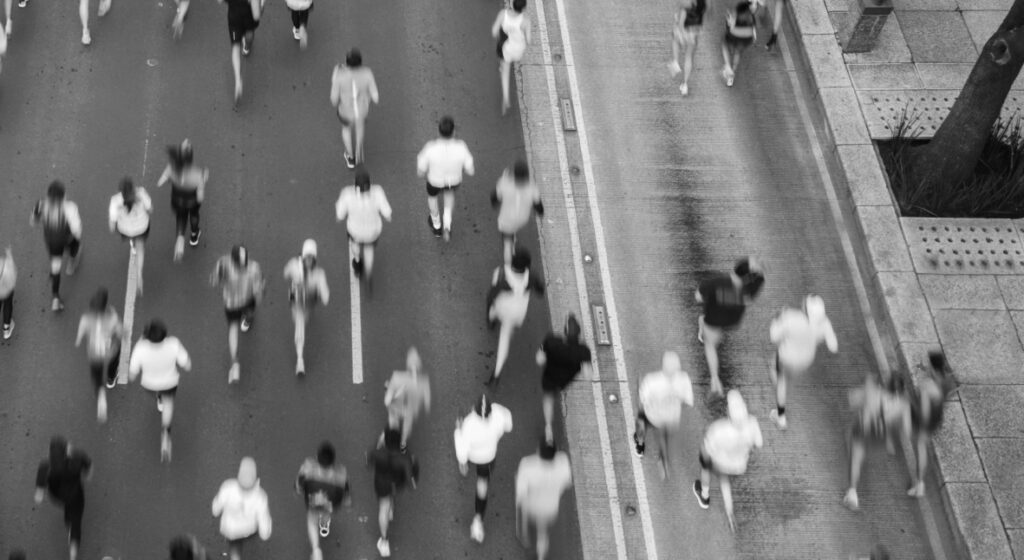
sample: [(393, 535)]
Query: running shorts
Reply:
[(738, 43), (483, 471), (184, 200), (434, 191), (236, 315)]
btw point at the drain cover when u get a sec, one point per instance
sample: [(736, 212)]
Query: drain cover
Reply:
[(965, 246), (882, 109)]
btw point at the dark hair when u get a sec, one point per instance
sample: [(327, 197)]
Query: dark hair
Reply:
[(128, 192), (175, 156), (239, 255), (520, 259), (392, 438), (483, 406), (520, 171), (99, 300), (58, 452), (181, 548), (16, 554), (362, 179), (155, 331), (937, 360), (547, 450), (519, 5), (55, 190), (572, 327), (743, 7), (325, 454), (446, 126), (354, 58)]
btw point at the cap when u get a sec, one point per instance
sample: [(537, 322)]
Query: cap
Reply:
[(309, 248), (247, 473)]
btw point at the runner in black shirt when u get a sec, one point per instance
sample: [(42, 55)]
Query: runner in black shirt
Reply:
[(725, 298), (62, 475), (562, 359), (391, 470)]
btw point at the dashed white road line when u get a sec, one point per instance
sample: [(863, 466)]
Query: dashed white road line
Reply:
[(357, 321)]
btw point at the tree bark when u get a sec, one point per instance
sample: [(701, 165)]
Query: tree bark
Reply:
[(950, 157)]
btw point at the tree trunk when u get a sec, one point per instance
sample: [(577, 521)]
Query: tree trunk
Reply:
[(952, 154)]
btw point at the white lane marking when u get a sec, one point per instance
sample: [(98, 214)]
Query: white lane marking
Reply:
[(851, 260), (581, 283), (625, 393), (130, 291), (357, 321)]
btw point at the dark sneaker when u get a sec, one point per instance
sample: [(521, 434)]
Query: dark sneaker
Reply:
[(357, 267), (701, 500), (771, 42), (350, 161), (638, 446)]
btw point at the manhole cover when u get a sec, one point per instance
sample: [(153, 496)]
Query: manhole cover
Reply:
[(965, 246), (883, 109)]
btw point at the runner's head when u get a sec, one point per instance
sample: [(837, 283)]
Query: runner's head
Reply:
[(325, 454), (750, 274), (737, 408), (354, 58), (743, 7), (941, 371), (181, 548), (521, 172), (309, 253), (412, 360), (670, 363), (155, 331), (392, 439), (518, 5), (446, 126), (520, 260), (55, 191), (58, 451), (98, 303), (572, 327), (128, 191), (186, 152), (247, 473), (547, 450), (240, 256), (483, 407), (362, 179)]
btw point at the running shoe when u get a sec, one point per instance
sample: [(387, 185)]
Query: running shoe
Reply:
[(57, 304), (436, 230), (86, 38), (476, 529), (193, 239), (779, 420), (350, 162), (684, 89), (850, 500), (917, 490), (8, 330), (234, 373), (295, 33), (383, 547), (246, 324), (701, 500), (159, 402), (771, 42), (673, 68), (112, 382), (300, 368), (638, 447), (104, 7), (22, 3), (729, 75)]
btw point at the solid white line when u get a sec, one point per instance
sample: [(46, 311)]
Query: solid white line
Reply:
[(581, 288), (862, 295), (357, 321), (606, 282), (130, 292)]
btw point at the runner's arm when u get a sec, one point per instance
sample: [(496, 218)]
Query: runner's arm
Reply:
[(183, 360), (201, 189), (165, 176), (113, 210), (341, 207), (422, 161), (467, 163), (830, 337), (385, 208), (374, 94), (82, 328), (144, 198), (335, 87), (496, 27), (325, 291), (526, 28), (73, 218)]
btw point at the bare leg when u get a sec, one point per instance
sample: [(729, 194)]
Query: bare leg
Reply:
[(140, 259), (711, 353), (663, 451), (368, 260), (299, 318), (7, 16), (165, 421), (101, 404), (857, 452), (313, 530), (233, 328), (506, 75), (234, 552), (83, 15), (406, 430), (449, 207), (435, 213), (359, 130), (507, 242), (236, 65), (726, 58), (917, 490), (73, 550), (726, 485), (688, 54), (504, 342), (548, 405), (346, 139), (673, 65), (384, 516), (542, 541)]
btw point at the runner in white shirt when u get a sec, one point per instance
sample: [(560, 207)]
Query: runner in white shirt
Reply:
[(362, 206), (662, 396), (517, 198), (307, 286), (158, 359), (476, 442), (443, 161), (129, 215), (540, 482), (408, 393), (508, 301), (797, 334)]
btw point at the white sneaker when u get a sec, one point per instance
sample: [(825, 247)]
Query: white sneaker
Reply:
[(476, 529), (246, 324), (780, 421), (86, 38), (295, 33), (917, 490), (234, 373), (303, 38), (383, 547), (850, 500), (101, 407), (103, 8), (300, 367), (684, 89), (673, 68), (729, 76), (8, 330)]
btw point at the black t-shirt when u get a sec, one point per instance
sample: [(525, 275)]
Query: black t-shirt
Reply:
[(564, 360), (723, 302), (64, 481), (695, 13)]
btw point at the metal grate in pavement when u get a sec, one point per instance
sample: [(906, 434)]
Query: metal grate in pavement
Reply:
[(965, 246), (883, 109)]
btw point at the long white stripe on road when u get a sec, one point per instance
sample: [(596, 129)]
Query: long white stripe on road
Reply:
[(131, 290), (357, 321), (606, 281)]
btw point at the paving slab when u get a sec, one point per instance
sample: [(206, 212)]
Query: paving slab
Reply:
[(825, 58), (931, 5), (1012, 289), (884, 238), (937, 36), (959, 291), (891, 46), (864, 175), (958, 459), (812, 18), (970, 5), (964, 246), (1016, 542), (845, 121), (944, 75), (837, 5), (900, 75), (981, 345), (981, 24), (908, 310), (975, 512), (1003, 459), (993, 411)]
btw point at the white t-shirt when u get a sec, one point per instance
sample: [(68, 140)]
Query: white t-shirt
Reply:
[(798, 337), (158, 363), (130, 222), (517, 202), (363, 212), (540, 484), (729, 443), (443, 161), (662, 396), (476, 438)]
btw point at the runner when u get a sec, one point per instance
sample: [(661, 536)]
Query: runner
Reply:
[(879, 414), (518, 197), (300, 18), (7, 18), (689, 18), (129, 215), (443, 161), (512, 30), (391, 470), (541, 480), (777, 8), (741, 30), (726, 451), (243, 508), (324, 487), (363, 205), (508, 300), (62, 231), (476, 441), (62, 476), (159, 359), (243, 290), (83, 14), (243, 19), (180, 13), (307, 286), (926, 402), (16, 554), (662, 395), (188, 188), (8, 280), (725, 298), (562, 358), (101, 329), (796, 334), (408, 392), (186, 547), (352, 90)]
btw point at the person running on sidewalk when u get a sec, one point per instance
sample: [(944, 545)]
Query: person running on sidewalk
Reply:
[(352, 90), (62, 231), (724, 299), (561, 358), (188, 187), (541, 479), (512, 30), (740, 32), (243, 289), (180, 13), (476, 441), (62, 476), (243, 509), (186, 547), (443, 161), (129, 215), (508, 300), (243, 19), (101, 329), (407, 394), (778, 6), (926, 412), (797, 333), (157, 360), (324, 486), (685, 32), (362, 206), (83, 15), (726, 452), (307, 287), (8, 280), (880, 413), (300, 19), (662, 395), (517, 197), (392, 469), (8, 28)]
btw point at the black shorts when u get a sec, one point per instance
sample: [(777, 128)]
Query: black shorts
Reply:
[(236, 315), (58, 248), (737, 43), (240, 25), (98, 369), (300, 17), (169, 392), (73, 511), (434, 191), (483, 471), (183, 200)]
